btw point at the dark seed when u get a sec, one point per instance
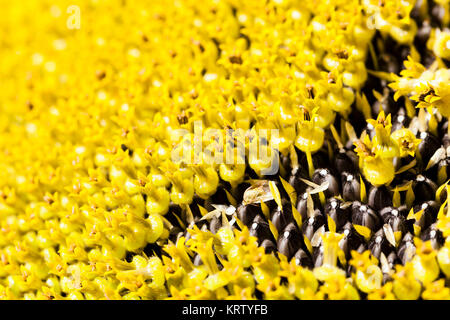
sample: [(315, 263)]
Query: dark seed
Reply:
[(289, 241), (400, 120), (195, 209), (184, 234), (318, 256), (351, 241), (363, 215), (443, 128), (238, 193), (388, 104), (174, 233), (362, 247), (247, 213), (427, 147), (303, 259), (406, 248), (311, 225), (435, 235), (271, 204), (302, 206), (320, 158), (281, 218), (392, 260), (388, 212), (424, 189), (358, 123), (428, 58), (220, 197), (386, 278), (340, 214), (437, 15), (388, 63), (200, 223), (269, 246), (197, 260), (215, 224), (260, 229), (430, 210), (446, 141), (298, 184), (379, 198), (405, 51), (408, 237), (397, 223), (351, 188), (379, 244), (324, 175), (416, 12), (346, 161), (370, 129), (286, 163), (444, 170), (423, 34)]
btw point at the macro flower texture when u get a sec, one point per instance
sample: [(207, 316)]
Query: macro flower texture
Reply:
[(225, 149)]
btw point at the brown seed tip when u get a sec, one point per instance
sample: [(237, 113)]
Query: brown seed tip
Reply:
[(235, 59), (48, 199), (30, 105), (182, 118), (100, 74), (342, 54)]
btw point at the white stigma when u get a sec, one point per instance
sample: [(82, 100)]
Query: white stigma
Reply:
[(420, 178)]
